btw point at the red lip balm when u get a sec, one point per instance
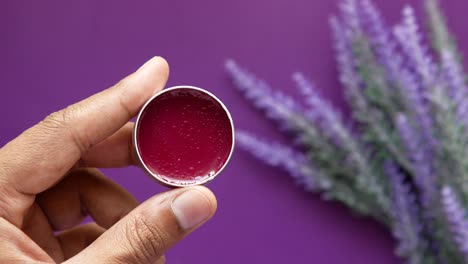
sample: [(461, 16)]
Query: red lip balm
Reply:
[(184, 136)]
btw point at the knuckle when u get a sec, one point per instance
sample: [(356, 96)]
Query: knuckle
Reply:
[(54, 121), (146, 241), (125, 97), (59, 120), (124, 104), (62, 122), (123, 84)]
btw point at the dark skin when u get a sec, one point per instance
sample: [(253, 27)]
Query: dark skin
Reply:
[(49, 183)]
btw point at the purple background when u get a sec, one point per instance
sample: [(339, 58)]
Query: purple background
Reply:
[(54, 53)]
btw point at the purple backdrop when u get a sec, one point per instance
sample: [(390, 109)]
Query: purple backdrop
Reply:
[(54, 53)]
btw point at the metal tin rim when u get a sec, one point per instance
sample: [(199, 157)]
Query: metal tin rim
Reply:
[(157, 177)]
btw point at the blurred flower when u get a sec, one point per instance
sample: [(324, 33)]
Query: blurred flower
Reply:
[(410, 117), (457, 90), (286, 158), (456, 217), (321, 112), (276, 105), (407, 224), (414, 145)]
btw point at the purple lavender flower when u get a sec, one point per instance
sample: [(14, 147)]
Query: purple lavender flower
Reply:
[(416, 86), (345, 35), (343, 47), (276, 105), (453, 75), (350, 78), (455, 80), (388, 75), (418, 60), (326, 117), (417, 54), (381, 40), (416, 102), (321, 112), (419, 111), (293, 162), (385, 48), (455, 214), (441, 38), (331, 124), (422, 170), (407, 225), (348, 75), (349, 10)]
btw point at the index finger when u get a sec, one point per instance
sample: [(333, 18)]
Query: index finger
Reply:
[(40, 156)]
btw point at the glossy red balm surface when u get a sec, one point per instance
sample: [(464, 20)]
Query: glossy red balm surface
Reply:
[(184, 136)]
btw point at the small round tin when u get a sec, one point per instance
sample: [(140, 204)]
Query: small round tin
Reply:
[(183, 136)]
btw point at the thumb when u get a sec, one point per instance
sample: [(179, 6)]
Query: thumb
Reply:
[(146, 233)]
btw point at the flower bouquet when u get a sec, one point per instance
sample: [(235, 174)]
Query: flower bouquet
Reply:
[(402, 159)]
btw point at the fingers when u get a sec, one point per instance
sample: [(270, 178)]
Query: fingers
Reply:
[(74, 240), (41, 155), (36, 226), (17, 247), (82, 192), (115, 151), (144, 235)]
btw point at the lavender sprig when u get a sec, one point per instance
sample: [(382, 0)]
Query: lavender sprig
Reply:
[(305, 174), (456, 214), (442, 39), (349, 11), (276, 105), (321, 112), (411, 111), (421, 165), (376, 59), (280, 108), (398, 75), (385, 48), (453, 74), (418, 86), (421, 170), (292, 118), (407, 224), (332, 124), (417, 54), (457, 89), (381, 39), (344, 58), (348, 64), (451, 162), (293, 162)]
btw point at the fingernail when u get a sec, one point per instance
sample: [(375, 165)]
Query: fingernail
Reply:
[(191, 208)]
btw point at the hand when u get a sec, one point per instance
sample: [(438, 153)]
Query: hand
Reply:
[(48, 185)]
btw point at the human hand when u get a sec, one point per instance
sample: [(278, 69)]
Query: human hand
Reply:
[(48, 184)]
